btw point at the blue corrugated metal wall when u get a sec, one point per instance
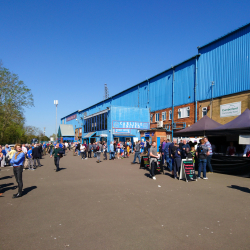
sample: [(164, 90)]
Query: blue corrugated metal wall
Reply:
[(160, 91), (227, 63), (184, 83)]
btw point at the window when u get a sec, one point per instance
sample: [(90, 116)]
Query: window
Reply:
[(156, 117), (151, 118), (204, 111), (170, 115), (184, 112), (163, 116)]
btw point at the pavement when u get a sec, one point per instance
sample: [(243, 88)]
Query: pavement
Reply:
[(116, 205)]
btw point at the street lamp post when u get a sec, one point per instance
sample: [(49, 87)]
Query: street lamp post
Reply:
[(56, 103)]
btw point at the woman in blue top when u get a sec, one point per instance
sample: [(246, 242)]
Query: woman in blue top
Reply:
[(17, 161)]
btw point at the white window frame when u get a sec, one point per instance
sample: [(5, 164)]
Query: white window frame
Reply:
[(184, 112), (170, 115), (163, 114), (204, 109), (157, 116)]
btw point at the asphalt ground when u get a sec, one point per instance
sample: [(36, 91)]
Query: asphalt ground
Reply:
[(115, 205)]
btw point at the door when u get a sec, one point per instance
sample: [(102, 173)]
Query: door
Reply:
[(158, 143)]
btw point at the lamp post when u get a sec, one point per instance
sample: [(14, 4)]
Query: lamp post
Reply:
[(56, 103)]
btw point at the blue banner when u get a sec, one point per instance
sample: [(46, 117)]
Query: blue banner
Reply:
[(130, 125), (68, 138)]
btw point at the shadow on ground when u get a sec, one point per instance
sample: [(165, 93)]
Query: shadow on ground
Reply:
[(243, 189)]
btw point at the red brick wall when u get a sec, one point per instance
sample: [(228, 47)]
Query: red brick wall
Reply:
[(189, 120)]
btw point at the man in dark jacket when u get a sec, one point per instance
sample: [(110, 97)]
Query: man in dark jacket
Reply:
[(56, 152), (40, 150), (36, 153)]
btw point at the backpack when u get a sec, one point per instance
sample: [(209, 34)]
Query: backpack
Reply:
[(97, 148)]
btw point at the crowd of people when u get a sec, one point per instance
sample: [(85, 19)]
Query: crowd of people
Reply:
[(170, 154)]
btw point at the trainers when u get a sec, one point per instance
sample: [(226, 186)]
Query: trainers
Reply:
[(198, 177), (175, 178), (154, 178), (205, 178)]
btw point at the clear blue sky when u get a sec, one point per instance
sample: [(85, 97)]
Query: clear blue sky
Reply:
[(67, 50)]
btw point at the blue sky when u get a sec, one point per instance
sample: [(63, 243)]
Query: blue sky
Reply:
[(68, 50)]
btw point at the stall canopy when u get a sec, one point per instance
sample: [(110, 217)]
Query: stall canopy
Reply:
[(199, 128), (89, 135), (240, 125)]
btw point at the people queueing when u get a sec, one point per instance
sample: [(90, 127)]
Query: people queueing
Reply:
[(153, 159), (17, 161), (185, 149), (137, 152), (202, 153)]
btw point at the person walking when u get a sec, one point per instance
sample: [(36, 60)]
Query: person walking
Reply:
[(111, 151), (82, 149), (3, 157), (210, 150), (105, 151), (29, 158), (202, 153), (98, 152), (36, 154), (137, 152), (153, 159), (90, 147), (17, 161), (176, 154), (57, 154)]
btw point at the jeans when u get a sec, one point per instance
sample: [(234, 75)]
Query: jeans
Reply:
[(85, 154), (137, 154), (89, 154), (168, 160), (38, 162), (3, 161), (105, 155), (56, 161), (30, 163), (202, 163), (111, 155), (82, 154), (177, 165), (98, 156), (94, 154), (153, 166), (209, 163), (18, 172), (78, 152)]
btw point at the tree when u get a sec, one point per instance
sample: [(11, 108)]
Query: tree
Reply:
[(14, 97)]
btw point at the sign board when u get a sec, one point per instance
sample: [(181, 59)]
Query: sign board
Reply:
[(123, 131), (152, 134), (72, 117), (51, 138), (131, 125), (146, 134), (187, 170), (135, 139), (230, 109), (68, 138), (244, 139)]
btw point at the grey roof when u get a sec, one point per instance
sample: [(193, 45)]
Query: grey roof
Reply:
[(67, 130)]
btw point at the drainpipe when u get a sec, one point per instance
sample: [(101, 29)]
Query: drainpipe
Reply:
[(173, 105), (148, 92), (195, 87), (138, 96)]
